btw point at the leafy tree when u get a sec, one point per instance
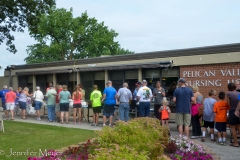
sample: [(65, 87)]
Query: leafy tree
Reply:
[(15, 15), (62, 37)]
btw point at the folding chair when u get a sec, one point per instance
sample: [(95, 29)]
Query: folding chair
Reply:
[(1, 122)]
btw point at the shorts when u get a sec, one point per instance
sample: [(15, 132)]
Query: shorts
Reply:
[(4, 105), (79, 105), (108, 110), (221, 126), (64, 107), (183, 119), (97, 109), (208, 124), (22, 105), (10, 106), (57, 107), (232, 118), (165, 119), (38, 105)]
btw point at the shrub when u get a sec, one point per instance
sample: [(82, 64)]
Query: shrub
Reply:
[(118, 153), (171, 147), (141, 134)]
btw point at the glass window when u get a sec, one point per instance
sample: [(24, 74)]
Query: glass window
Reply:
[(131, 77), (169, 80)]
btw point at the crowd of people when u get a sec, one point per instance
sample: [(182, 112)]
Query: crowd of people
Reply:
[(192, 109)]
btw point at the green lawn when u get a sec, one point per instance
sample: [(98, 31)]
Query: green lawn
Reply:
[(30, 139)]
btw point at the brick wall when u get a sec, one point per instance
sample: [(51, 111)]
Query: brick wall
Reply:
[(214, 76)]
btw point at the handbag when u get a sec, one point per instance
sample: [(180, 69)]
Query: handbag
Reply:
[(33, 101), (200, 111)]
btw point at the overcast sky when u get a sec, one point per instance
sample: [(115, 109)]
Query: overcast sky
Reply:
[(151, 25)]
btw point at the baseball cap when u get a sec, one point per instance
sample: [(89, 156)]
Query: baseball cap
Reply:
[(38, 88), (5, 87), (138, 83), (182, 80)]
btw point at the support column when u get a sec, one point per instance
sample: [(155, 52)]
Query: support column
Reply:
[(54, 79), (78, 78), (140, 74), (106, 76), (34, 83)]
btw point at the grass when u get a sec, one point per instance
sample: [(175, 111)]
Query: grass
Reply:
[(36, 138)]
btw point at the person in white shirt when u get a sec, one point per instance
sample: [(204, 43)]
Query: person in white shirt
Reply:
[(38, 97), (144, 96)]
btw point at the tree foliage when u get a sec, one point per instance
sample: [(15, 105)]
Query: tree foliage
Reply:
[(60, 36), (15, 15)]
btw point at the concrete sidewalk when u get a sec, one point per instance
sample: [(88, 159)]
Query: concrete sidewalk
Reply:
[(32, 119)]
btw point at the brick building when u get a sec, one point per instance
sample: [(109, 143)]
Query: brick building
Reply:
[(211, 67)]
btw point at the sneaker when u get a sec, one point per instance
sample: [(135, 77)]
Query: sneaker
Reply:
[(79, 122), (224, 143), (49, 121), (39, 119), (93, 124), (213, 140), (104, 125), (219, 142), (194, 137), (110, 125), (74, 123)]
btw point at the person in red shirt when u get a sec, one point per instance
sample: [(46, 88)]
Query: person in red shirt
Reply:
[(10, 101), (220, 109)]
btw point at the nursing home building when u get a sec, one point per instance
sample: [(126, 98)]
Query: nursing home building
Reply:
[(211, 67)]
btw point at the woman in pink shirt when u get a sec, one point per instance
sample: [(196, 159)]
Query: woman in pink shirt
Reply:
[(77, 96), (10, 101)]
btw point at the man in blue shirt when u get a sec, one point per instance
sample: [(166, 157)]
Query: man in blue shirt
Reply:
[(2, 96), (109, 95), (183, 96)]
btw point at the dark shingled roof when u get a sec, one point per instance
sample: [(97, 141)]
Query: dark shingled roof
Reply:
[(139, 56)]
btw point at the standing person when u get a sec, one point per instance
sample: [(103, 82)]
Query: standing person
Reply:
[(232, 100), (95, 98), (77, 105), (50, 85), (109, 95), (83, 98), (208, 115), (144, 97), (64, 97), (158, 94), (165, 111), (220, 109), (10, 101), (23, 102), (51, 103), (38, 97), (134, 102), (125, 96), (2, 96), (183, 96), (57, 109), (18, 92), (237, 82), (195, 119)]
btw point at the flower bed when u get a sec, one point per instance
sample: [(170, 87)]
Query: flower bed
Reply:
[(183, 149), (141, 139)]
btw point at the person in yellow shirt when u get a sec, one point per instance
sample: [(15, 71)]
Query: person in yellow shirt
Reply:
[(95, 98)]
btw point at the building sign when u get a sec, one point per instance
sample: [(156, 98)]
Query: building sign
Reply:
[(211, 77)]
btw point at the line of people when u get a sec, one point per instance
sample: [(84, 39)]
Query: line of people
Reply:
[(216, 113)]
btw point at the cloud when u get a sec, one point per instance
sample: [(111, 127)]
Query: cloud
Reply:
[(145, 26)]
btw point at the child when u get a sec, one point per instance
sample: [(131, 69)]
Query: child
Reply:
[(208, 115), (164, 111), (220, 109)]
